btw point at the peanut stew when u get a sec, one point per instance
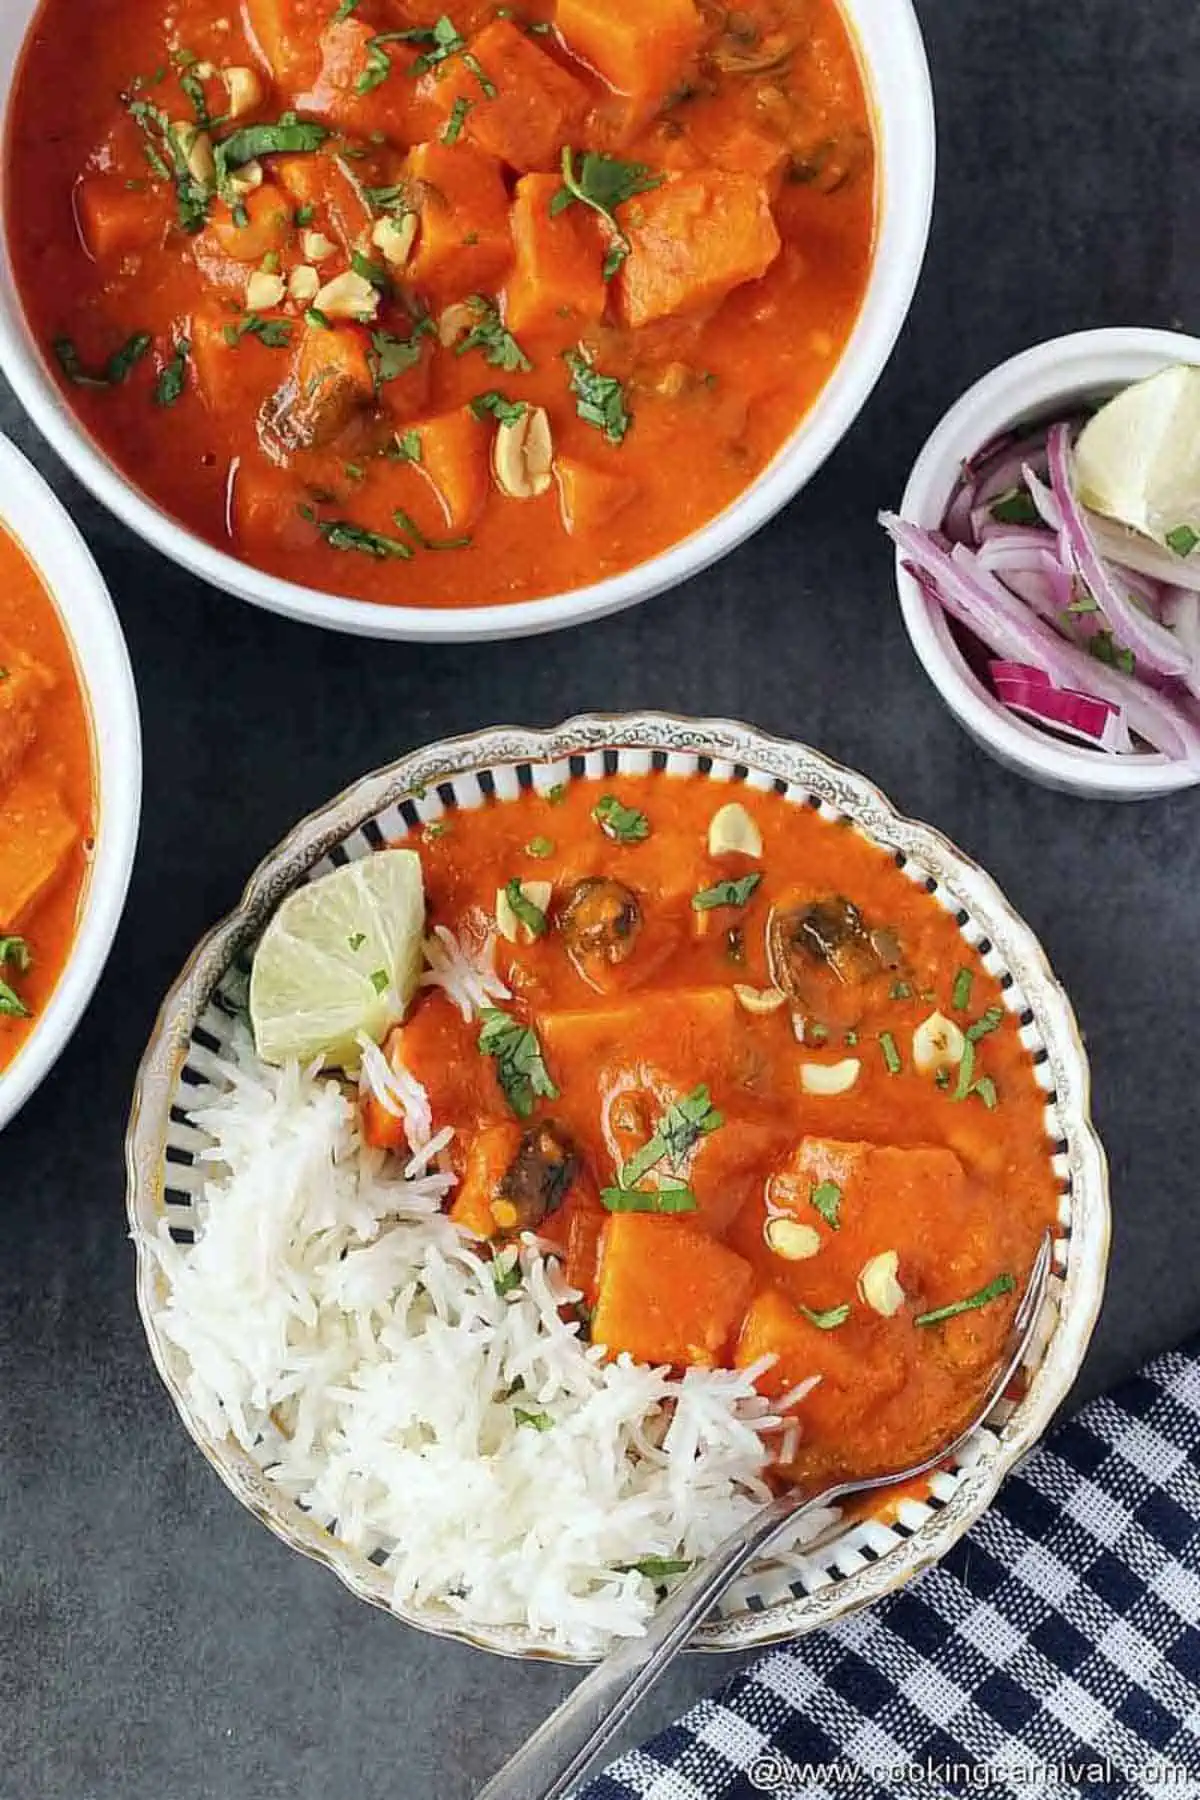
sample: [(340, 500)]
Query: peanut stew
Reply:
[(756, 1086), (427, 307), (46, 798)]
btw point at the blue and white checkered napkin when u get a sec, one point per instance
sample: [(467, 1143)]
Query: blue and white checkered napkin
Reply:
[(1055, 1652)]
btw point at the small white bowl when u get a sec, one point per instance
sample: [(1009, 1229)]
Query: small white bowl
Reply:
[(897, 78), (36, 519), (1052, 380)]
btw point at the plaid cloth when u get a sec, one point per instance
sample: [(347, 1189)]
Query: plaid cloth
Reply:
[(1054, 1652)]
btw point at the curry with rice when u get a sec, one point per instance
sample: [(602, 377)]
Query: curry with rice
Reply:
[(426, 307), (46, 797), (752, 1083)]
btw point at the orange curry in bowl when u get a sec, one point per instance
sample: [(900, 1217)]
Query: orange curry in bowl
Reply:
[(426, 306), (46, 797), (755, 1085)]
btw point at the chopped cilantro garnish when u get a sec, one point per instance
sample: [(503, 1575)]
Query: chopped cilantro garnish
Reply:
[(901, 991), (500, 348), (827, 1198), (408, 446), (726, 893), (496, 405), (556, 794), (520, 1069), (371, 271), (599, 399), (14, 953), (531, 916), (342, 534), (1183, 540), (453, 128), (276, 334), (537, 1421), (828, 1320), (603, 183), (173, 379), (674, 1198), (116, 370), (506, 1271), (1003, 1284), (656, 1568), (541, 847), (625, 824), (891, 1055), (390, 357), (1016, 507), (289, 135), (683, 1124), (964, 981)]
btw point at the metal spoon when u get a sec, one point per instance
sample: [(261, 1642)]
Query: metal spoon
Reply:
[(560, 1751)]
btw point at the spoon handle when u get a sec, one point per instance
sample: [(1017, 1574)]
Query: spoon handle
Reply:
[(560, 1751)]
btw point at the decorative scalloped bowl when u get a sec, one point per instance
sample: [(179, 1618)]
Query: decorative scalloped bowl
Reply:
[(858, 1559)]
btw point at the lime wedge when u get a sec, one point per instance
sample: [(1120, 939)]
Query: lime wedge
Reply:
[(1138, 460), (341, 956)]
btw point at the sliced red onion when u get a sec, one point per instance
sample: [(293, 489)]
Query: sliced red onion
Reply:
[(1006, 626), (1042, 498), (959, 519), (1084, 717), (1150, 642)]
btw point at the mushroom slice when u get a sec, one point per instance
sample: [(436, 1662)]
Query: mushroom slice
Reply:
[(536, 1181), (601, 918)]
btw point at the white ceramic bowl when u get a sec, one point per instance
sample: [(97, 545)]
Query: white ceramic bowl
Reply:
[(1054, 379), (898, 81), (854, 1562), (33, 516)]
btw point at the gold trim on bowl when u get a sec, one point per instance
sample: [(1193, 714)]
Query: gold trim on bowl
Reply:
[(772, 1605)]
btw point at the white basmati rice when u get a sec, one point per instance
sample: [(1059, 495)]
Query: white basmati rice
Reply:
[(465, 968), (354, 1342)]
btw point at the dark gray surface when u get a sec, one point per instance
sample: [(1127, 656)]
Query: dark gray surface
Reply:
[(157, 1644)]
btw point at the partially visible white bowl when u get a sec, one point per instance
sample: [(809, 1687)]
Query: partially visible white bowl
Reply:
[(1054, 379), (33, 516), (897, 77)]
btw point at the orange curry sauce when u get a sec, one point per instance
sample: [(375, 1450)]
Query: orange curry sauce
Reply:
[(961, 1189), (46, 797), (266, 426)]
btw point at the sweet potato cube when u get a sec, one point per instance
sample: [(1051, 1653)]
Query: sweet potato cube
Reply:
[(703, 1021), (667, 1292), (585, 1233), (774, 1327), (557, 281), (286, 33), (320, 182), (333, 380), (37, 834), (115, 219), (490, 1156), (267, 225), (693, 240), (590, 497), (518, 103), (225, 372), (454, 461), (24, 684), (642, 48), (746, 151), (346, 93), (465, 244)]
